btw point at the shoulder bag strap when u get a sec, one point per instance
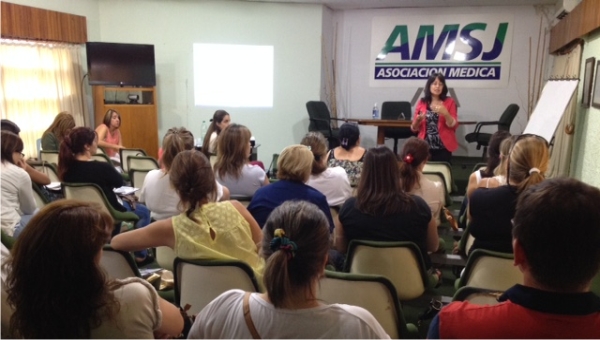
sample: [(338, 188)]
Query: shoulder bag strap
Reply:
[(248, 317)]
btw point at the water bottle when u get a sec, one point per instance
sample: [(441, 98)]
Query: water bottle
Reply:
[(375, 112), (203, 129)]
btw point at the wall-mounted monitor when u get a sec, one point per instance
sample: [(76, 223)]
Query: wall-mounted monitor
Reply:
[(120, 64)]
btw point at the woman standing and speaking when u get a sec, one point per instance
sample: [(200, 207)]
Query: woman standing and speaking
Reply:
[(435, 119)]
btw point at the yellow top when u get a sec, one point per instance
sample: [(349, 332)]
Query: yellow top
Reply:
[(232, 236)]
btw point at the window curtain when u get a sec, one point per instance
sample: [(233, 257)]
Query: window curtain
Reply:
[(38, 81), (565, 66)]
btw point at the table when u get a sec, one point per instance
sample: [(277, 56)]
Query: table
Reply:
[(381, 125)]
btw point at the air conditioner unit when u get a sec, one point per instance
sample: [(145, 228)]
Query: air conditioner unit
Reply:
[(564, 7)]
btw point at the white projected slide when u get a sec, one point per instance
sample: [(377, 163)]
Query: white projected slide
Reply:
[(233, 75), (550, 108)]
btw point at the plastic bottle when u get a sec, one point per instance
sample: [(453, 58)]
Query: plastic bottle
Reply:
[(203, 129), (375, 112)]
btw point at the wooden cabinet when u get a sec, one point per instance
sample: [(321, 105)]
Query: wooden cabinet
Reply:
[(139, 118)]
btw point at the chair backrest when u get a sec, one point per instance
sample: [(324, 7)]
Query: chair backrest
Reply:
[(478, 296), (142, 163), (438, 177), (198, 282), (445, 169), (377, 295), (507, 117), (100, 150), (400, 262), (137, 178), (490, 270), (165, 257), (49, 157), (40, 199), (101, 157), (87, 192), (125, 153), (319, 116), (466, 241), (38, 146), (48, 169), (396, 110), (118, 264), (479, 166)]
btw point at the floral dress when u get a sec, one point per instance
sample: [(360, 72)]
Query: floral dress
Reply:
[(353, 168)]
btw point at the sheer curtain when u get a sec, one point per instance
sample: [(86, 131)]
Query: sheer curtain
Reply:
[(566, 65), (39, 80)]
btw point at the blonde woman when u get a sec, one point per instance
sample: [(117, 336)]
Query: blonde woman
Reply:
[(330, 181), (233, 168), (294, 167), (491, 210), (54, 135)]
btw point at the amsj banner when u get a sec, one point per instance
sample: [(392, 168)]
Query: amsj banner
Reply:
[(471, 51)]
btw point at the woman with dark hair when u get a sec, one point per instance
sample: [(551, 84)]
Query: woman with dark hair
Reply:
[(109, 135), (157, 193), (233, 168), (332, 182), (413, 158), (18, 203), (58, 289), (219, 121), (206, 229), (295, 245), (349, 155), (491, 210), (75, 165), (382, 211), (435, 119), (60, 127), (493, 161)]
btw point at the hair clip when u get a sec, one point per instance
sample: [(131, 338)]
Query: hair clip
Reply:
[(408, 159), (281, 242)]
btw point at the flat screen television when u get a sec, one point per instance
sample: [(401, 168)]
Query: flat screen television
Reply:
[(120, 64)]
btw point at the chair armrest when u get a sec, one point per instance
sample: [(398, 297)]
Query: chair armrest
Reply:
[(480, 124), (127, 216)]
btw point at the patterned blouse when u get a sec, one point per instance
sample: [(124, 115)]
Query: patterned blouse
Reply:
[(353, 168), (432, 135)]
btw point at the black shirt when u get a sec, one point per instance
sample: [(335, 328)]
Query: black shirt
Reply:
[(491, 213), (410, 226), (100, 173)]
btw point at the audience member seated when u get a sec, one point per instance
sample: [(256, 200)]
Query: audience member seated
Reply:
[(556, 237), (349, 155), (295, 245), (491, 210), (54, 135), (413, 157), (58, 289), (493, 161), (331, 182), (18, 203), (233, 168), (219, 121), (109, 135), (499, 177), (293, 170), (37, 177), (382, 211), (157, 192), (206, 230), (76, 165)]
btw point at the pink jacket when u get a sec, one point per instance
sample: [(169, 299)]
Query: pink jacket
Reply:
[(447, 134)]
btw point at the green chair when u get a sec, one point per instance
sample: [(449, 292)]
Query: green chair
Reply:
[(48, 169), (479, 166), (118, 264), (377, 295), (7, 241), (400, 262), (272, 171), (466, 242), (490, 270), (124, 155), (446, 170), (90, 192), (198, 282), (142, 163), (38, 194), (478, 296), (50, 157)]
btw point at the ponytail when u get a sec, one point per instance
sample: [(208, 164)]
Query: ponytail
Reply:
[(65, 157), (414, 153), (73, 144)]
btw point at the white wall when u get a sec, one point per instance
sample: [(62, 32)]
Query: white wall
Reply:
[(174, 26), (356, 97)]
